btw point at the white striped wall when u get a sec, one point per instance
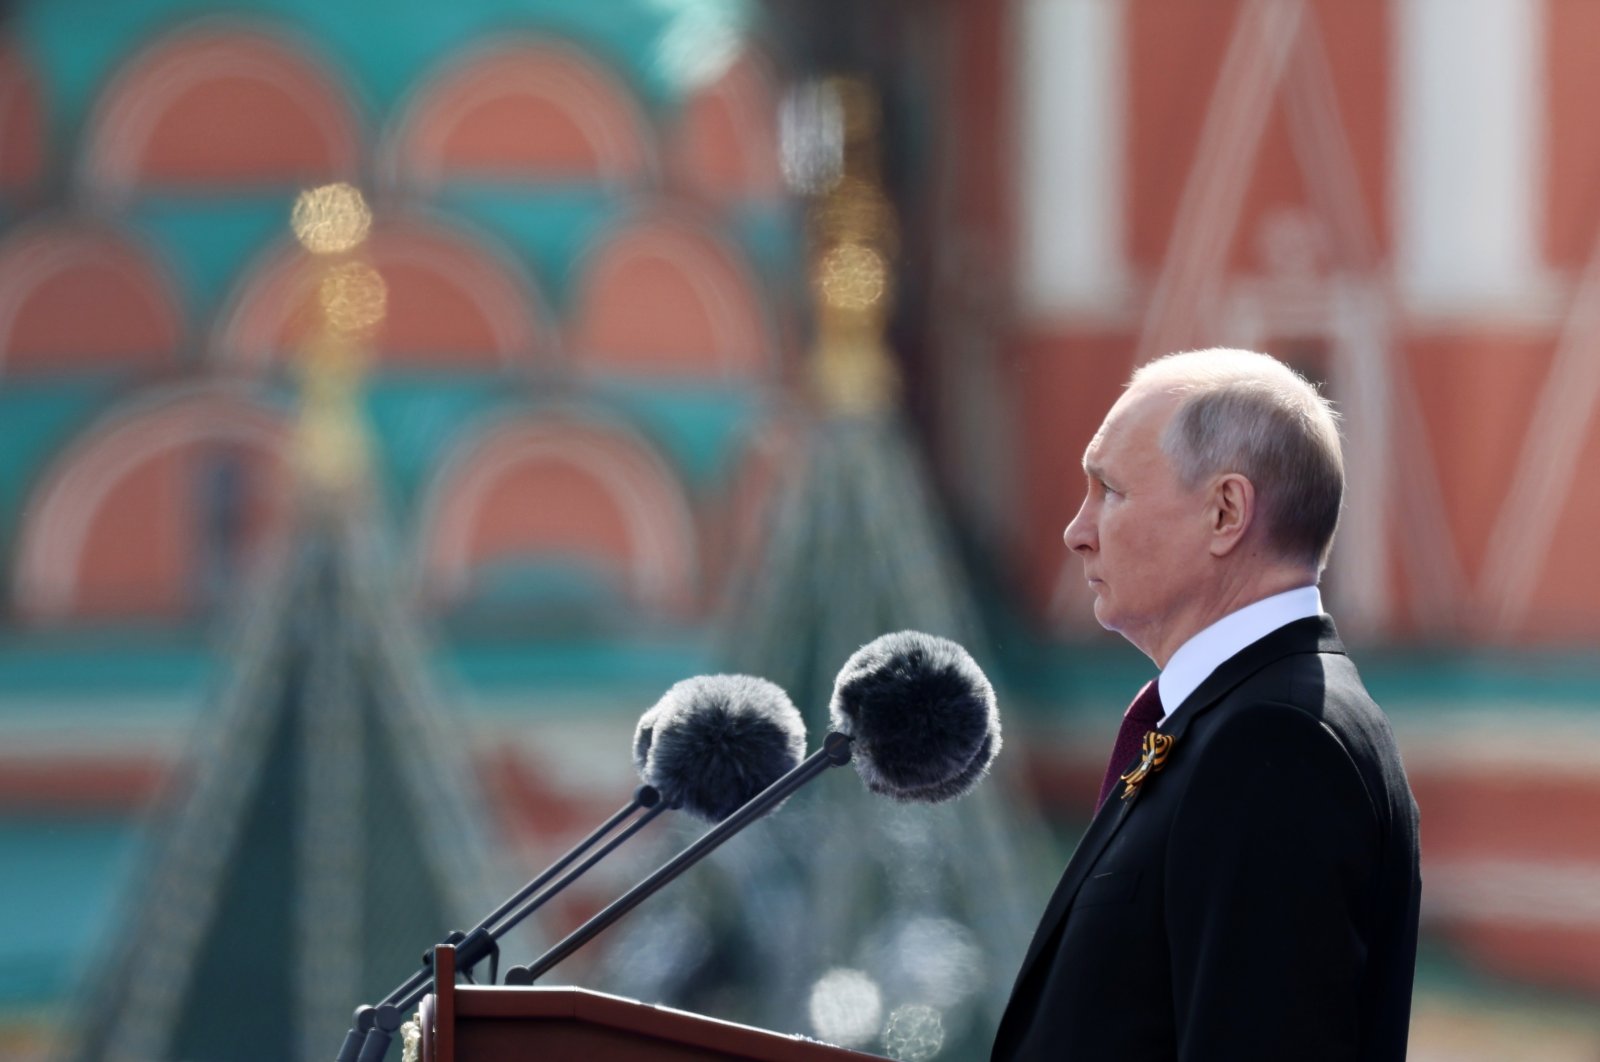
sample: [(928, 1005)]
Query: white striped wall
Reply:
[(1468, 150), (1071, 107)]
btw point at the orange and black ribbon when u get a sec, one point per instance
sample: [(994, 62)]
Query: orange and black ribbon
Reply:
[(1155, 749)]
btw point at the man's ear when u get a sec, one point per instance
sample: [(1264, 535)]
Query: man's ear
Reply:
[(1232, 510)]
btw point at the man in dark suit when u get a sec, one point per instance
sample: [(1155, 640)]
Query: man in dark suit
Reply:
[(1249, 886)]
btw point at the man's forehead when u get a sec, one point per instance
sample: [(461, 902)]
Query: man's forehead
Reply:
[(1135, 412)]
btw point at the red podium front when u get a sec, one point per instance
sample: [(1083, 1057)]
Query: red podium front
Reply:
[(465, 1023)]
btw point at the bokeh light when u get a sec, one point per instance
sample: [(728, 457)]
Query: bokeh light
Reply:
[(354, 298), (852, 277), (331, 219), (936, 960), (701, 41), (811, 138), (846, 1007), (914, 1033)]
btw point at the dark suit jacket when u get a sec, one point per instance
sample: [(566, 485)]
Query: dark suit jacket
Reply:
[(1256, 899)]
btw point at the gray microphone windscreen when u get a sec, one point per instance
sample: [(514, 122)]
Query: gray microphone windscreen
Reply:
[(713, 742), (922, 715)]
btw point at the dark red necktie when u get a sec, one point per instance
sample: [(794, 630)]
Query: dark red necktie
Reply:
[(1140, 718)]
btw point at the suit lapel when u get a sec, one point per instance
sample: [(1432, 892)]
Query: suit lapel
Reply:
[(1313, 634), (1100, 831)]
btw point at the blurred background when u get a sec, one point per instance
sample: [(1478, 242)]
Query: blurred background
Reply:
[(397, 397)]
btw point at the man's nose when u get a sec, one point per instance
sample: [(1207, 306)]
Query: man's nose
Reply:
[(1079, 535)]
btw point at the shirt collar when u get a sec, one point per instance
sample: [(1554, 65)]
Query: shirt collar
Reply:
[(1202, 654)]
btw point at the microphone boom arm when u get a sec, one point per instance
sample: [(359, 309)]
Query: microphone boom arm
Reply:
[(835, 752), (369, 1029)]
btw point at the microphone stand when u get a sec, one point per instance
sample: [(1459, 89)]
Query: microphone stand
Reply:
[(835, 752), (374, 1026)]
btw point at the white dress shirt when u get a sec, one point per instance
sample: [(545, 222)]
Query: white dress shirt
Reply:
[(1202, 654)]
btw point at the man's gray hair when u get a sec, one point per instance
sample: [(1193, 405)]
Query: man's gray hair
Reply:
[(1249, 413)]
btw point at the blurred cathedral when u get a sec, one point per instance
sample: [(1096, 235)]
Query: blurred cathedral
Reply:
[(396, 398)]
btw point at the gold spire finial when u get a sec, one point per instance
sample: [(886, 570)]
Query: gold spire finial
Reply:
[(332, 222), (854, 240)]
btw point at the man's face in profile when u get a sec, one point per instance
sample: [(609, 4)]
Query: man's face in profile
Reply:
[(1139, 532)]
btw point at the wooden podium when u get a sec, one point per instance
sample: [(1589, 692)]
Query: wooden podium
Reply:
[(465, 1023)]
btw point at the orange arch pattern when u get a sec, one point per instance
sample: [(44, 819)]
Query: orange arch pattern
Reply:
[(562, 484), (664, 297), (22, 153), (452, 303), (210, 106), (114, 529), (724, 145), (75, 296), (524, 109)]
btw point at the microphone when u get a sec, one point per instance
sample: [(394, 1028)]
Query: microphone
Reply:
[(922, 716), (708, 745), (713, 742), (915, 713)]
